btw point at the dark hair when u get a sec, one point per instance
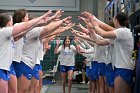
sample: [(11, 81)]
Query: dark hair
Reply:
[(19, 15), (65, 40), (111, 23), (122, 19), (4, 19)]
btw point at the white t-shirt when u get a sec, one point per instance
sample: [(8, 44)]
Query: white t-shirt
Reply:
[(18, 50), (31, 47), (109, 54), (102, 54), (6, 48), (41, 53), (96, 54), (123, 48), (67, 55)]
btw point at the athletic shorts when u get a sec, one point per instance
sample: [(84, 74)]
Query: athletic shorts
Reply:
[(125, 74), (40, 67), (110, 75), (16, 68), (35, 71), (94, 70), (27, 71), (4, 74), (66, 68), (12, 69), (88, 71), (101, 69)]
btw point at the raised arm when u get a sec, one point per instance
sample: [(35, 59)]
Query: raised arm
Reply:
[(103, 25), (53, 26), (57, 46), (60, 30), (99, 40), (24, 26), (82, 35)]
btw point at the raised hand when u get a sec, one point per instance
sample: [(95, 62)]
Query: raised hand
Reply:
[(64, 28), (76, 39), (47, 14), (87, 21), (85, 30), (74, 31), (57, 15), (94, 21), (67, 19), (67, 27), (86, 14), (58, 41)]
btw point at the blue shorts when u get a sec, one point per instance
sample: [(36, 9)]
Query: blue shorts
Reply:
[(40, 67), (110, 75), (35, 71), (16, 68), (88, 71), (12, 69), (94, 70), (66, 68), (101, 69), (125, 74), (4, 74), (27, 71)]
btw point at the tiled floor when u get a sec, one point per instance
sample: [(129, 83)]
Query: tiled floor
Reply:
[(57, 88)]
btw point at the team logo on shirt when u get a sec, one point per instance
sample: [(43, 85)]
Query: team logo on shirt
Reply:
[(67, 52)]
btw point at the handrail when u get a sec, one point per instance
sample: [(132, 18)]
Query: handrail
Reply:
[(126, 5), (109, 5)]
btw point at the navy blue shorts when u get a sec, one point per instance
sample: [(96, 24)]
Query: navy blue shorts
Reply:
[(101, 69), (4, 74), (110, 75), (66, 68), (125, 74), (88, 71), (94, 70)]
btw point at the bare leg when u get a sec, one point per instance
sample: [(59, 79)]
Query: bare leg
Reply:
[(106, 87), (94, 86), (3, 86), (102, 84), (12, 84), (32, 85), (64, 76), (39, 83), (111, 90), (70, 74), (90, 86), (121, 86), (23, 84), (83, 75)]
